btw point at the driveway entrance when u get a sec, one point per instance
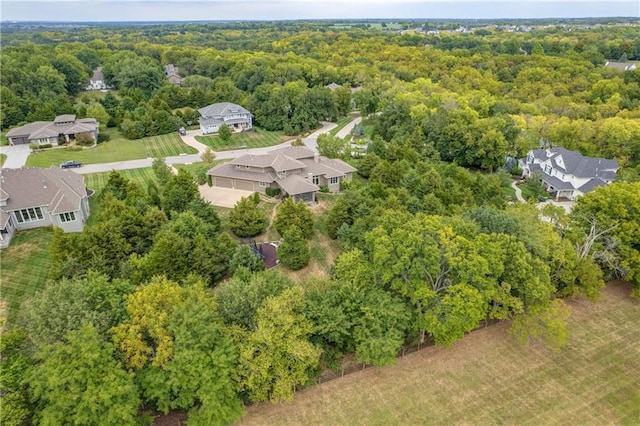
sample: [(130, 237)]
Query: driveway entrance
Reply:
[(222, 197)]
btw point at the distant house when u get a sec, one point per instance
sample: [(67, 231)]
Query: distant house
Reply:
[(332, 86), (63, 128), (568, 173), (215, 115), (96, 82), (173, 75), (622, 66), (34, 197), (297, 171)]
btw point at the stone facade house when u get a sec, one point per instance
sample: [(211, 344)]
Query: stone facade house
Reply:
[(234, 116), (34, 197), (297, 171), (569, 174), (64, 128)]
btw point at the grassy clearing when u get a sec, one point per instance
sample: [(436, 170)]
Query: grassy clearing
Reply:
[(195, 168), (97, 181), (257, 138), (24, 267), (117, 149), (488, 378), (3, 158)]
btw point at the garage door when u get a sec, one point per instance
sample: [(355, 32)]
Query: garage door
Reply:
[(223, 182), (244, 184)]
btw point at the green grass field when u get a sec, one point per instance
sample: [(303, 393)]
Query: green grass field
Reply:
[(116, 149), (3, 158), (257, 138), (488, 378), (24, 267), (97, 181)]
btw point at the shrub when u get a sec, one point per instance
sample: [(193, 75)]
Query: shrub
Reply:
[(294, 251), (324, 188), (256, 198), (272, 192), (516, 171), (224, 133), (103, 137)]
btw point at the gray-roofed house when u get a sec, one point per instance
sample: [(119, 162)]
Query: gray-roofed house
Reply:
[(298, 171), (96, 82), (621, 66), (234, 116), (34, 197), (173, 75), (569, 174), (63, 128)]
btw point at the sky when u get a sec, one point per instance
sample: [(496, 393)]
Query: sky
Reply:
[(190, 10)]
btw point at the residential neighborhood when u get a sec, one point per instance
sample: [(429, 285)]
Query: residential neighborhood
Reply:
[(234, 116)]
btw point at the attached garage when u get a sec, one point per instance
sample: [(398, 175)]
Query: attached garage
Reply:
[(223, 182), (244, 185)]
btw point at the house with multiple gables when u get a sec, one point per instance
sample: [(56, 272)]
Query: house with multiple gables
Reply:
[(234, 116), (569, 174), (622, 66), (296, 170), (34, 197), (173, 75), (64, 128)]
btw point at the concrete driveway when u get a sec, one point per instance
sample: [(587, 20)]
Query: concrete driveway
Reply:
[(222, 197), (16, 155)]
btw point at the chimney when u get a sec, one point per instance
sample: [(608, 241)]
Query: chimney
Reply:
[(316, 157)]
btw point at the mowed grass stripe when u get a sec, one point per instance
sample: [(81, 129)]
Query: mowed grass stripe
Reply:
[(24, 267), (97, 181), (489, 378), (115, 150), (257, 138)]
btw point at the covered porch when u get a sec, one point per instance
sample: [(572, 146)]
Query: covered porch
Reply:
[(299, 188)]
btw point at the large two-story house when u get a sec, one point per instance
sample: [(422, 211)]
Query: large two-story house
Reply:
[(34, 197), (569, 174), (297, 171), (63, 128), (215, 115)]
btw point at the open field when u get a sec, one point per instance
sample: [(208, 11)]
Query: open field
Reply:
[(24, 266), (488, 378), (116, 149), (257, 138)]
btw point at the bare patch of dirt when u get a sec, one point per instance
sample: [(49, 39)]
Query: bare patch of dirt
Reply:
[(21, 251)]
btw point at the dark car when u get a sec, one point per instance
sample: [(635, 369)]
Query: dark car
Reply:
[(70, 164), (182, 131)]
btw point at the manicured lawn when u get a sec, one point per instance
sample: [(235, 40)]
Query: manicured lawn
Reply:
[(24, 267), (3, 158), (257, 138), (116, 149), (194, 168), (97, 181), (488, 378)]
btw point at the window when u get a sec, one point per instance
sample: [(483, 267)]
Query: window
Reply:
[(67, 217), (316, 180), (333, 180), (263, 184), (29, 215)]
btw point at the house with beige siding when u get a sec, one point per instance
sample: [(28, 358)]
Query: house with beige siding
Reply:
[(64, 128), (297, 171), (34, 197)]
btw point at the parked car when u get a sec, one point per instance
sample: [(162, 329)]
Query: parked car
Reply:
[(182, 131), (70, 164)]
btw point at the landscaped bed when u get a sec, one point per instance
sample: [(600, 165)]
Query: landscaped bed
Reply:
[(115, 150), (256, 138)]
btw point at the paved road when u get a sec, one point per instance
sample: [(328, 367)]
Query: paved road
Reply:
[(342, 133), (16, 156)]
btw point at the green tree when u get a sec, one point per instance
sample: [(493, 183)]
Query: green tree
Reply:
[(246, 219), (97, 111), (294, 250), (179, 191), (80, 382), (161, 170), (224, 133), (245, 257), (291, 214), (331, 146), (208, 156), (277, 356), (15, 364)]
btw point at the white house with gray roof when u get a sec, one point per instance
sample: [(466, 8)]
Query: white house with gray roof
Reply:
[(234, 116), (34, 197), (568, 173), (63, 128), (298, 171)]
